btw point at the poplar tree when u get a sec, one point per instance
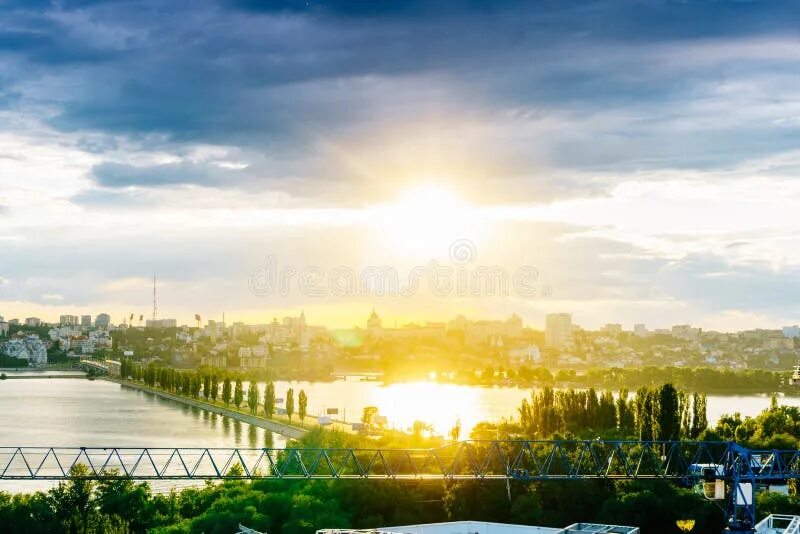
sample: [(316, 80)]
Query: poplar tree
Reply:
[(269, 400), (226, 391), (252, 397), (302, 401), (290, 404), (238, 393), (668, 416)]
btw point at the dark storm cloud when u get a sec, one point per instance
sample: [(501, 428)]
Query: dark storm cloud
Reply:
[(631, 19), (272, 77), (200, 69)]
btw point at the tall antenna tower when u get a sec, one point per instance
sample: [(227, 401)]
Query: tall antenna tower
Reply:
[(155, 298)]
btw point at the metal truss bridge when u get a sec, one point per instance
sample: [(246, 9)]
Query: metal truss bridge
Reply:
[(468, 460), (739, 469)]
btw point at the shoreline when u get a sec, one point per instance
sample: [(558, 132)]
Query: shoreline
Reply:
[(39, 373), (283, 429), (34, 377)]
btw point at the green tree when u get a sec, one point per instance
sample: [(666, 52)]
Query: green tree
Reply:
[(368, 416), (418, 427), (606, 412), (197, 383), (455, 431), (699, 419), (645, 411), (226, 391), (625, 416), (302, 405), (74, 500), (686, 415), (238, 393), (290, 403), (214, 387), (127, 500), (668, 415), (252, 397), (206, 387), (592, 409), (269, 400)]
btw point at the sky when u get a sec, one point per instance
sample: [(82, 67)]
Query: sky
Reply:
[(636, 161)]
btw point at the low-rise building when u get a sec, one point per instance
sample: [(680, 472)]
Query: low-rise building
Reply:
[(253, 357), (528, 354), (778, 341), (214, 360), (29, 348), (791, 331), (219, 360)]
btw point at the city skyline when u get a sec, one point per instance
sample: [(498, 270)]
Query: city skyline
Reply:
[(386, 321)]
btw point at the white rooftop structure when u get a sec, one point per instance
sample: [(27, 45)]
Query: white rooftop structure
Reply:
[(481, 527), (595, 528), (779, 524)]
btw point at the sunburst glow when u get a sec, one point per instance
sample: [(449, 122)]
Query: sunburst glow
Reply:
[(424, 220)]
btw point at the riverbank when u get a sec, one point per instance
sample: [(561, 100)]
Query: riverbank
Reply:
[(67, 366), (39, 377), (284, 429)]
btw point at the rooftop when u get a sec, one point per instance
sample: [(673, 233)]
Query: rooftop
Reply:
[(480, 527), (779, 524)]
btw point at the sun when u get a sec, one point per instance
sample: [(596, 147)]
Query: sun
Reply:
[(423, 220), (430, 200)]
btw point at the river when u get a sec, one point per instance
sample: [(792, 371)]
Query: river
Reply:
[(440, 405), (98, 413)]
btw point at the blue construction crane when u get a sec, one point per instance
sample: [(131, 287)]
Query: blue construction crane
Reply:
[(736, 470)]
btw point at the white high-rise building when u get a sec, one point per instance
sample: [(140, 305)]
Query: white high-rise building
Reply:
[(103, 320), (685, 332), (86, 321), (612, 329), (640, 330), (69, 320), (557, 330), (161, 323)]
